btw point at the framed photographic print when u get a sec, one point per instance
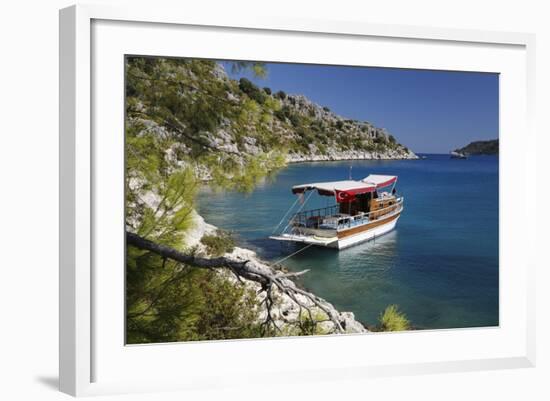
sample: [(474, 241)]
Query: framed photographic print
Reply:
[(353, 195)]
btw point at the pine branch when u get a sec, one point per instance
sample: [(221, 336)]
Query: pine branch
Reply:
[(249, 270)]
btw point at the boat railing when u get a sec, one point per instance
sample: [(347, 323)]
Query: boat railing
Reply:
[(331, 218), (309, 217)]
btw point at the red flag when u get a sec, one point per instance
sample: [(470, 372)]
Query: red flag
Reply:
[(343, 196)]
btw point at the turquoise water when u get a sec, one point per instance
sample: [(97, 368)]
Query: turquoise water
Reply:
[(440, 264)]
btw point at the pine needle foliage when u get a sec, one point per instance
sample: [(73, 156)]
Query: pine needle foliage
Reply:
[(219, 244), (172, 109), (392, 319)]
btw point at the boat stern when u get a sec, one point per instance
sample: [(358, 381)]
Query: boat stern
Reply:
[(329, 242)]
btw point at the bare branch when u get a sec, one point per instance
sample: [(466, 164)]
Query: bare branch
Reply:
[(249, 270)]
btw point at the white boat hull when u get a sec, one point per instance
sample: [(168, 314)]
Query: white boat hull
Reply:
[(367, 235), (344, 241)]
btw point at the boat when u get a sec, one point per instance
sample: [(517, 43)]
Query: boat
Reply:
[(363, 210), (458, 155)]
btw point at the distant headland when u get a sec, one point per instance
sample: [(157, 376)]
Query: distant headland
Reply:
[(489, 147)]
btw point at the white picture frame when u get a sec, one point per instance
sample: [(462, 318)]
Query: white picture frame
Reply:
[(91, 362)]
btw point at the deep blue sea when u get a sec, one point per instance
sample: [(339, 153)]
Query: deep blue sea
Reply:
[(440, 264)]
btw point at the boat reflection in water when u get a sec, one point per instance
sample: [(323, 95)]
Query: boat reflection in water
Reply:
[(371, 257)]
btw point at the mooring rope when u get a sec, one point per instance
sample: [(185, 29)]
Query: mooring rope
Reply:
[(292, 254)]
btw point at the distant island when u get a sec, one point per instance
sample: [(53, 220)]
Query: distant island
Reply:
[(489, 147)]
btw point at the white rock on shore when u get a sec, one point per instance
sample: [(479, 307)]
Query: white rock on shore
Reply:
[(199, 229)]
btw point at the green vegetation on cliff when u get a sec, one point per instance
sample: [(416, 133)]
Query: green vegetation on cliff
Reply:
[(196, 108)]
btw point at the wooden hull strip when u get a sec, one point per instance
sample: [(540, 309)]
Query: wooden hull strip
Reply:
[(366, 227)]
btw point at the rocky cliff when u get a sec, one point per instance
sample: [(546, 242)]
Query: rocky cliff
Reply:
[(316, 133), (198, 108)]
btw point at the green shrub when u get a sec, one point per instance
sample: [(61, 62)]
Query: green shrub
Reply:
[(281, 95), (306, 136), (280, 114), (393, 320), (252, 90), (294, 119), (309, 324), (287, 113), (267, 90), (246, 85), (358, 143), (272, 104), (219, 243), (369, 147), (316, 125), (381, 140)]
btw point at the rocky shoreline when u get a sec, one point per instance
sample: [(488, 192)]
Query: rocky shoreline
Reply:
[(351, 155), (285, 311), (204, 174)]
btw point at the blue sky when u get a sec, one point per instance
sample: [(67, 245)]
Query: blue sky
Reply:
[(428, 111)]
